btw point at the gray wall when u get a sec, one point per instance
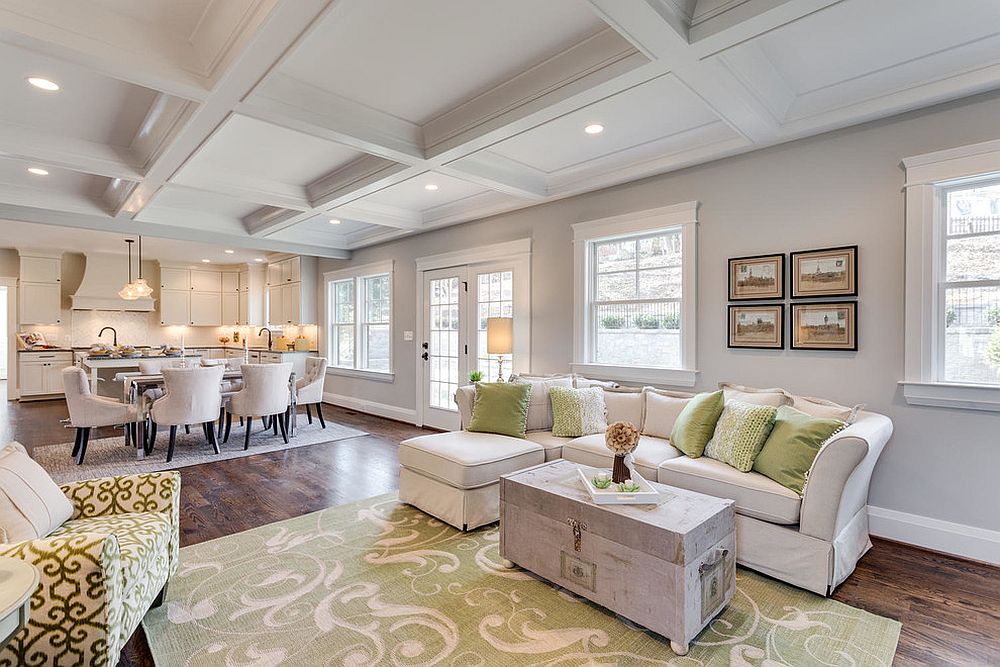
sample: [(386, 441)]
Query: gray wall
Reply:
[(840, 188)]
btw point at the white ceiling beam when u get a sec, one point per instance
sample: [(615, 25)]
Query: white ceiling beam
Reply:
[(379, 214), (500, 173), (49, 150), (282, 28), (748, 20), (248, 189)]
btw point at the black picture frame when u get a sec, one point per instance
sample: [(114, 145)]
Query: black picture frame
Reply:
[(798, 306), (780, 326), (794, 290), (780, 279)]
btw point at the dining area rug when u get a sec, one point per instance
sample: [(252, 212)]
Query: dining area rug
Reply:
[(107, 457), (379, 582)]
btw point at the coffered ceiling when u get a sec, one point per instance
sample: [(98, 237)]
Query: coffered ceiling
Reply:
[(320, 126)]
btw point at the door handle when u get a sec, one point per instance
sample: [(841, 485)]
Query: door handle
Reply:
[(424, 356), (424, 345)]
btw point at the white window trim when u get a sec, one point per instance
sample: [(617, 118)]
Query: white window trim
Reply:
[(685, 216), (353, 273), (925, 174)]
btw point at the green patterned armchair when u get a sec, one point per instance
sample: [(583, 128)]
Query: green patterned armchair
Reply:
[(100, 571)]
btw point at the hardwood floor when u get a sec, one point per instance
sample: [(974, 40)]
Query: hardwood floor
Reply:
[(949, 608)]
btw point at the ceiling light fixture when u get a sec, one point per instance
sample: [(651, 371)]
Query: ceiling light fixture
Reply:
[(258, 259), (206, 261), (334, 221), (229, 252), (140, 288), (128, 291), (38, 171), (594, 128), (44, 84), (431, 187)]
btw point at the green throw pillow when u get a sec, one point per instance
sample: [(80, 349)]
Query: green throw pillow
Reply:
[(500, 407), (740, 433), (577, 412), (696, 423), (792, 446)]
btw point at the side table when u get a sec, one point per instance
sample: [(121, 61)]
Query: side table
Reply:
[(18, 581)]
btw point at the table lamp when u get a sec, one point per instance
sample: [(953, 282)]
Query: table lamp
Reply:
[(500, 339)]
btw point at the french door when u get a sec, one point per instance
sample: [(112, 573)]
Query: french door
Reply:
[(457, 303)]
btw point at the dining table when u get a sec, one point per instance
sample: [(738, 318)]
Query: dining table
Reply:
[(137, 386)]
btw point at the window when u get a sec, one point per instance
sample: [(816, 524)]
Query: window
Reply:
[(360, 307), (952, 326), (635, 302), (495, 298)]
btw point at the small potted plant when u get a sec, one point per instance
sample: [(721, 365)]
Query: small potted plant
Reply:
[(475, 376), (621, 438)]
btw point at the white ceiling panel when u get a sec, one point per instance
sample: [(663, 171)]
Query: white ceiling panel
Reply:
[(245, 146), (88, 106), (431, 56), (659, 108), (180, 18), (15, 173), (413, 195), (189, 199)]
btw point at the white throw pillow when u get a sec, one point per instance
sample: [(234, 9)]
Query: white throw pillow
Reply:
[(539, 407), (624, 404), (774, 396), (581, 382), (31, 505), (820, 407), (662, 410)]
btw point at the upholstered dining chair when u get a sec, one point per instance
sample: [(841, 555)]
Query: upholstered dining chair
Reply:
[(229, 387), (87, 411), (265, 393), (192, 396), (309, 388)]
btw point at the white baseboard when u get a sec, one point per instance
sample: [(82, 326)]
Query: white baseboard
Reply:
[(379, 409), (957, 539)]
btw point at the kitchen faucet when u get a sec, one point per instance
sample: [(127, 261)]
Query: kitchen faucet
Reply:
[(113, 332), (262, 330)]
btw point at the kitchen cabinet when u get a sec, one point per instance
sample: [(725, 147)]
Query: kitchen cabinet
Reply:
[(175, 279), (206, 281), (40, 303), (41, 269), (243, 307), (244, 281), (295, 302), (291, 302), (40, 373), (274, 274), (206, 309), (296, 359), (231, 308), (230, 281), (275, 305), (175, 307)]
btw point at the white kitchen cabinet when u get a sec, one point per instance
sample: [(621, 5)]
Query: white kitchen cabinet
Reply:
[(230, 281), (230, 308), (243, 307), (175, 279), (175, 307), (41, 303), (275, 305), (40, 373), (291, 302), (244, 281), (206, 309), (206, 281), (274, 276), (41, 269)]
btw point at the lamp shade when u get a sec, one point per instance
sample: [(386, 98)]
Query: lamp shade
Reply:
[(499, 335)]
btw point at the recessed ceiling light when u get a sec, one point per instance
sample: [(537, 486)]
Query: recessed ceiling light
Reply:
[(334, 221), (229, 252), (431, 187), (38, 171), (258, 259), (594, 128), (206, 261), (44, 84)]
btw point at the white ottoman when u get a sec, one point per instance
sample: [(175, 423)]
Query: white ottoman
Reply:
[(455, 476)]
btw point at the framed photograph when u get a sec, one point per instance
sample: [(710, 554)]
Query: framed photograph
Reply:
[(827, 325), (760, 277), (757, 326), (827, 272)]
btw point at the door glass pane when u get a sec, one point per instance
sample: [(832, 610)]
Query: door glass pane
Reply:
[(443, 339), (496, 299)]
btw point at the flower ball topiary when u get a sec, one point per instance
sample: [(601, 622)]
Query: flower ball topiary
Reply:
[(621, 438)]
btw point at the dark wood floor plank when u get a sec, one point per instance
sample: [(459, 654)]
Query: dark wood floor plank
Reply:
[(949, 608)]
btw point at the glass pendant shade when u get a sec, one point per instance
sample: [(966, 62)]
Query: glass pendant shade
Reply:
[(128, 292), (141, 288)]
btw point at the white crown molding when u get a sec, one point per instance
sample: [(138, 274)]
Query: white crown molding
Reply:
[(496, 251), (360, 270), (685, 213)]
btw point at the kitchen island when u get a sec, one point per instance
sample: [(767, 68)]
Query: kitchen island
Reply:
[(93, 365)]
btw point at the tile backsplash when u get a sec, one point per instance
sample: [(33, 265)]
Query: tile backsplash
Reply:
[(132, 328)]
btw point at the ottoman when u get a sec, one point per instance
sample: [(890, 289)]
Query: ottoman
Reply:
[(455, 476)]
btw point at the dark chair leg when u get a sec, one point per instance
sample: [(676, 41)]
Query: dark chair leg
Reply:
[(210, 429), (229, 425), (76, 443), (83, 446), (187, 428), (284, 430), (319, 413), (173, 441), (204, 430), (309, 414), (274, 424), (127, 433), (241, 421), (151, 438), (222, 420), (246, 436), (160, 597), (266, 422)]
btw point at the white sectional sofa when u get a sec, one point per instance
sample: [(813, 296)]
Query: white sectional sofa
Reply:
[(812, 541)]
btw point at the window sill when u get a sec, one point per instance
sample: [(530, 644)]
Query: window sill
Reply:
[(952, 395), (674, 377), (377, 376)]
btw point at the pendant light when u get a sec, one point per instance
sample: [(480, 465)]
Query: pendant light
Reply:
[(128, 291), (140, 287)]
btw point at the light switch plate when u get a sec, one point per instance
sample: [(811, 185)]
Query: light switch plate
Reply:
[(408, 336)]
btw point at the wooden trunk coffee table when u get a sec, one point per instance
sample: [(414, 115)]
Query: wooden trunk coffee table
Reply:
[(669, 567)]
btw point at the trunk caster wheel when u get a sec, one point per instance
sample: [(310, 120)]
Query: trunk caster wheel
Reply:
[(509, 564), (678, 648)]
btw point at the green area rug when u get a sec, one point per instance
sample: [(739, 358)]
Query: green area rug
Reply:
[(379, 582)]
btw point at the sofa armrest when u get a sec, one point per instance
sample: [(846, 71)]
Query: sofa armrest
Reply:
[(125, 494), (77, 609), (838, 480), (465, 397)]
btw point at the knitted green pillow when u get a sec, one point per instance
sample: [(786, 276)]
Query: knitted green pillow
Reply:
[(500, 407), (740, 433), (577, 412)]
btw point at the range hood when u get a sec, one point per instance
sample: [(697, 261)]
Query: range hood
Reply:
[(103, 276)]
